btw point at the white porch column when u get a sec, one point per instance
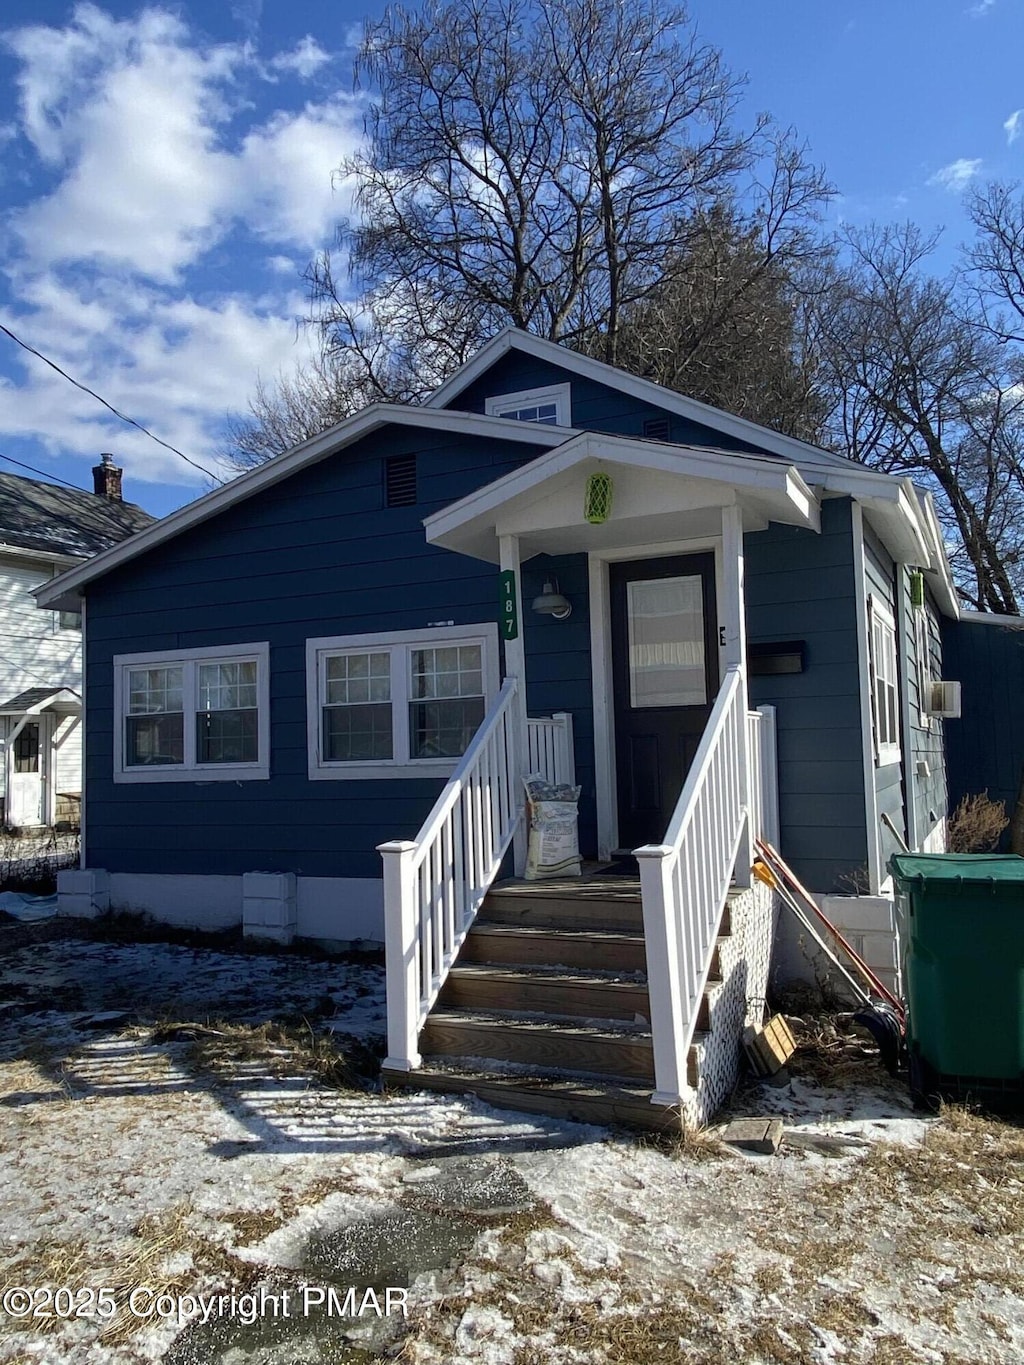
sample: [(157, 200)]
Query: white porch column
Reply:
[(734, 623), (515, 667)]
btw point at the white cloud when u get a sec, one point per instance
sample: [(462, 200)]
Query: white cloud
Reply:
[(135, 116), (176, 365), (1012, 127), (305, 59), (163, 195), (284, 173), (982, 8), (957, 175)]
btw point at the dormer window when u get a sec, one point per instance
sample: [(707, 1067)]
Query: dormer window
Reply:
[(550, 406)]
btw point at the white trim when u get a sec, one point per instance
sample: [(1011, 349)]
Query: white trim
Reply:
[(645, 389), (874, 850), (604, 716), (81, 783), (397, 642), (501, 404), (888, 753), (190, 770), (904, 627), (362, 423)]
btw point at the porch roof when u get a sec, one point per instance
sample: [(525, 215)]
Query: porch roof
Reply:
[(661, 493), (35, 700)]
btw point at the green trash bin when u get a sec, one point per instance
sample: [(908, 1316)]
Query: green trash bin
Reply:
[(963, 948)]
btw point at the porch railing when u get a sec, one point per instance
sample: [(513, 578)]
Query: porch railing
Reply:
[(764, 774), (550, 747), (684, 882), (435, 884)]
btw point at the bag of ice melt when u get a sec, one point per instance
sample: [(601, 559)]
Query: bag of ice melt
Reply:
[(553, 847)]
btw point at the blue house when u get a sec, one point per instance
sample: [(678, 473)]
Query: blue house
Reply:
[(311, 695)]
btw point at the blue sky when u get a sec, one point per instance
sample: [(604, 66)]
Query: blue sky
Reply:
[(166, 173)]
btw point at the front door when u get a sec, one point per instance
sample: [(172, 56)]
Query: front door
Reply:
[(25, 778), (665, 676)]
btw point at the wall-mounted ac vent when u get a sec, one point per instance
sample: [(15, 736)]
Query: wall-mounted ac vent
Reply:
[(944, 699)]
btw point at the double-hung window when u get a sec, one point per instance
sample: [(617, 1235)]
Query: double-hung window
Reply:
[(194, 715), (549, 407), (923, 644), (885, 696), (401, 704)]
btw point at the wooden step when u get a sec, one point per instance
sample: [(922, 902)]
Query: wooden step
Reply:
[(624, 1052), (585, 910), (526, 946), (558, 1097), (483, 987)]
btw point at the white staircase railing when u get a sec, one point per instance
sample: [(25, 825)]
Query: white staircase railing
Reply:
[(684, 882), (764, 774), (550, 747), (435, 884)]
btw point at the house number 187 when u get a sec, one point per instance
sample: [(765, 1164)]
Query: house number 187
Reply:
[(508, 616)]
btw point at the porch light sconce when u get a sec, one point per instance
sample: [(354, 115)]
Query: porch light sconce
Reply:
[(552, 603)]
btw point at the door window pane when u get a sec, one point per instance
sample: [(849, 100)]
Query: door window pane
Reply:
[(26, 749), (665, 619)]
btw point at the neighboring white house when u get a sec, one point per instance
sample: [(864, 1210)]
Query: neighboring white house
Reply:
[(45, 529)]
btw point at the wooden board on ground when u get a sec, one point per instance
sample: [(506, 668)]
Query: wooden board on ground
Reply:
[(768, 1049)]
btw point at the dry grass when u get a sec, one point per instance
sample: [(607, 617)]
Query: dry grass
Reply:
[(232, 1052), (833, 1050)]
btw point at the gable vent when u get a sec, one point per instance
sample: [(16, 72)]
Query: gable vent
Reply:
[(656, 428), (400, 481)]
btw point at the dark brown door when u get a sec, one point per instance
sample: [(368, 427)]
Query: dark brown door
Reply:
[(665, 672)]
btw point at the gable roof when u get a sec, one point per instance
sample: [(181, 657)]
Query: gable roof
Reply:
[(805, 456), (63, 521), (63, 591)]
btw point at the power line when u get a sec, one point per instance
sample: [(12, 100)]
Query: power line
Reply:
[(122, 416), (44, 473)]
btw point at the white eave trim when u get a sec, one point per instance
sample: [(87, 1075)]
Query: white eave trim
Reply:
[(736, 469), (791, 449), (61, 592)]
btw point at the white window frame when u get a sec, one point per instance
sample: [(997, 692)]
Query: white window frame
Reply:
[(501, 404), (887, 751), (190, 770), (399, 644), (923, 649)]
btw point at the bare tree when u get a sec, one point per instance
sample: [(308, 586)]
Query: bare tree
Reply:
[(919, 386), (734, 321)]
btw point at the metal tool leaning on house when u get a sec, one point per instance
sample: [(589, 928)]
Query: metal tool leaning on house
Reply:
[(882, 1014)]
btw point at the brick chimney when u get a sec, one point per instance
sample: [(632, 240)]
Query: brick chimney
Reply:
[(106, 479)]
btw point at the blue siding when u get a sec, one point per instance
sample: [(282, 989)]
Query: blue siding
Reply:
[(800, 586), (986, 745), (558, 672), (316, 555), (595, 407)]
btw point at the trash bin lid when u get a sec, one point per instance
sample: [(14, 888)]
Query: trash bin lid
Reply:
[(921, 868)]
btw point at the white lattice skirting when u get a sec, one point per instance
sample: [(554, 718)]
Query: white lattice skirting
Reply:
[(738, 1001)]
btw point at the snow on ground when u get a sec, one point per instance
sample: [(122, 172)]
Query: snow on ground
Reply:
[(156, 1133)]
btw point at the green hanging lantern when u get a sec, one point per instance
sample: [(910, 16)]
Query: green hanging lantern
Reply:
[(597, 502), (916, 588)]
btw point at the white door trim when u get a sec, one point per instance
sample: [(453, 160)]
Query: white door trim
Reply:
[(601, 667)]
